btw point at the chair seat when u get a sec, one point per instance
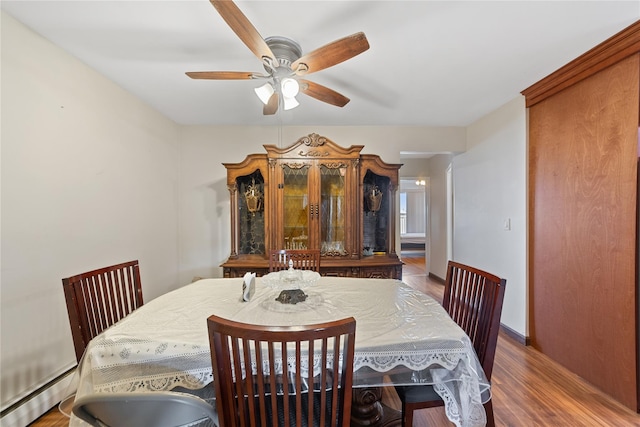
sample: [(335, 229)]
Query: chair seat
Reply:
[(417, 393)]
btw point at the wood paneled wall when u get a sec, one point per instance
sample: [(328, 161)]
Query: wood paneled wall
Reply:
[(583, 153)]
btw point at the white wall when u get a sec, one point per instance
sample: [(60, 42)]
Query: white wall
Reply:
[(89, 178), (205, 236), (490, 188), (414, 168), (438, 214)]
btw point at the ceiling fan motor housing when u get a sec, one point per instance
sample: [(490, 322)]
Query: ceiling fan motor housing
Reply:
[(285, 50)]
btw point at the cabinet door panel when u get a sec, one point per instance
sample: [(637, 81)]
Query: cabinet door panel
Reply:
[(296, 207), (332, 211), (376, 218), (251, 229)]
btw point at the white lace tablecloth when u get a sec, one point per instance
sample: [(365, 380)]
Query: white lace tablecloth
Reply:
[(165, 344)]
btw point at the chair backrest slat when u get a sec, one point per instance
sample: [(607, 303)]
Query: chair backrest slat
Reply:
[(282, 375), (120, 296), (274, 384), (303, 259), (108, 288), (99, 298), (473, 298)]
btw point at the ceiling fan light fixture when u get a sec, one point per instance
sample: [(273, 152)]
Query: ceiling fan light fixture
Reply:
[(283, 61), (290, 87), (290, 102), (264, 92)]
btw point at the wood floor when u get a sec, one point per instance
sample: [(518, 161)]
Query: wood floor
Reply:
[(528, 388)]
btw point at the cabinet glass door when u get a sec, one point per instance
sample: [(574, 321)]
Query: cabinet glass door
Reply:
[(250, 215), (333, 210), (375, 219), (296, 207)]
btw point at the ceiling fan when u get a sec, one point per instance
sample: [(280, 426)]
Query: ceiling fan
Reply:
[(284, 63)]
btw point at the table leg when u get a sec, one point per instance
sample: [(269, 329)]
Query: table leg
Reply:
[(368, 410)]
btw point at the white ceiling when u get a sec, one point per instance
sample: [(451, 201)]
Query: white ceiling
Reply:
[(431, 63)]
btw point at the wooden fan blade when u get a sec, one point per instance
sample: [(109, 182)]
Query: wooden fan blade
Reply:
[(243, 28), (322, 93), (223, 75), (272, 106), (331, 54)]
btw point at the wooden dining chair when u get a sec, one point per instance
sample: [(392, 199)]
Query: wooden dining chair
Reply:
[(137, 409), (473, 298), (284, 376), (97, 299), (303, 259)]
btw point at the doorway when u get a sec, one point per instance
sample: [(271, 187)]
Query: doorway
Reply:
[(413, 217)]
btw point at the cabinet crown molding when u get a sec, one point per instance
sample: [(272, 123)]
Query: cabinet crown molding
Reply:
[(313, 146)]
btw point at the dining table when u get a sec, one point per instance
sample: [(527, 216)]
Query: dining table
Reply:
[(403, 337)]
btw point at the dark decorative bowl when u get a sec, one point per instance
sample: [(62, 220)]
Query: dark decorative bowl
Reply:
[(291, 296)]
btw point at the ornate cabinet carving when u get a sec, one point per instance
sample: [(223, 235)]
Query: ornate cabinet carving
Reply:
[(314, 194)]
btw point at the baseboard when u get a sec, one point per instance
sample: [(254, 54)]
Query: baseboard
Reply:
[(522, 339), (436, 278), (412, 246), (36, 404)]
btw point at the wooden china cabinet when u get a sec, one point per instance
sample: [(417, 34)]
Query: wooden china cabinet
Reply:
[(314, 194)]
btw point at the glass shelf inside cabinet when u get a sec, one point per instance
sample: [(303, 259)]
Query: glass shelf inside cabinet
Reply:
[(251, 214), (376, 214)]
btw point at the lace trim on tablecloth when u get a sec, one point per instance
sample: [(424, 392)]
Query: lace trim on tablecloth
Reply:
[(123, 365), (383, 361), (463, 413), (190, 380)]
